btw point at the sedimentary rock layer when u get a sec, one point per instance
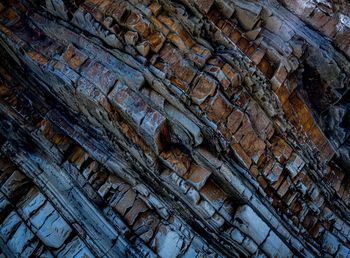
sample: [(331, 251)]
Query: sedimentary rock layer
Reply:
[(201, 128)]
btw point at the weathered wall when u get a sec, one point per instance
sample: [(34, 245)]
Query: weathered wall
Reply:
[(204, 128)]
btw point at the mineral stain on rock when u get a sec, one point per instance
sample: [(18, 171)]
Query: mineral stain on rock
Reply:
[(160, 128)]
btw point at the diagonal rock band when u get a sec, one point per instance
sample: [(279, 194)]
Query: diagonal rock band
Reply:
[(200, 128)]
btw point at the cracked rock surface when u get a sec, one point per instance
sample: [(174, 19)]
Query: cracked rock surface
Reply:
[(199, 128)]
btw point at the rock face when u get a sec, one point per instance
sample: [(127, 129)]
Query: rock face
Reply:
[(200, 128)]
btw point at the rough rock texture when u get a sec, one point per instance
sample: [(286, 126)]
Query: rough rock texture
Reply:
[(200, 128)]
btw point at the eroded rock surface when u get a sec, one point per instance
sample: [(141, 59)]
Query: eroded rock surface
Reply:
[(201, 128)]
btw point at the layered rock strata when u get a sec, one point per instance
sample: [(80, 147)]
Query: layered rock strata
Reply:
[(201, 128)]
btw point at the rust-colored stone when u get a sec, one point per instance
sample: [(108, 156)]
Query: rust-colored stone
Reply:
[(219, 109), (214, 194), (204, 88), (234, 120), (176, 160), (241, 155)]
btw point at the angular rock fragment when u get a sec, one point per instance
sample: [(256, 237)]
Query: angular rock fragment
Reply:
[(250, 223), (194, 128), (152, 124), (204, 88)]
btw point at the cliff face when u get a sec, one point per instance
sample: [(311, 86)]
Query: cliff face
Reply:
[(201, 128)]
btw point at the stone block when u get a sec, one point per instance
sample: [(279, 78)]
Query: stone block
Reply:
[(16, 185), (273, 24), (237, 236), (167, 242), (295, 165), (279, 77), (9, 15), (250, 245), (242, 99), (241, 154), (273, 174), (198, 176), (131, 37), (282, 190), (265, 67), (330, 243), (155, 8), (129, 103), (343, 252), (180, 67), (218, 220), (75, 248), (234, 120), (20, 239), (233, 77), (204, 88), (188, 131), (156, 41), (49, 226), (274, 247), (283, 93), (78, 156), (251, 143), (225, 8), (219, 75), (125, 202), (207, 209), (211, 159), (133, 108), (9, 226), (138, 207), (143, 48), (176, 160), (199, 55), (193, 195), (136, 22), (178, 42), (260, 121), (100, 76), (257, 56), (280, 149), (243, 44), (74, 57), (213, 194), (248, 18), (33, 201), (251, 224), (204, 5), (219, 109), (146, 225), (330, 28), (155, 129), (252, 35)]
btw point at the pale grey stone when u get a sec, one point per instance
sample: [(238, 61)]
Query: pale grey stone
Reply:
[(274, 246), (20, 239), (343, 252), (9, 225), (167, 242), (50, 227), (295, 165), (193, 195), (75, 248), (250, 245), (251, 224), (330, 243), (237, 236), (207, 208), (33, 202)]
